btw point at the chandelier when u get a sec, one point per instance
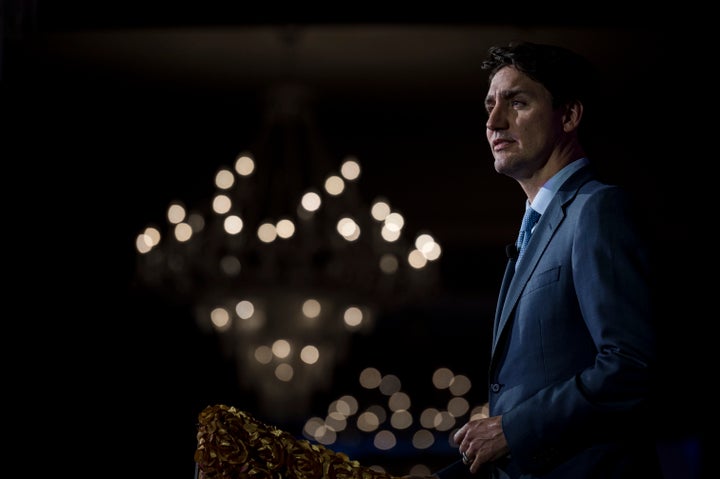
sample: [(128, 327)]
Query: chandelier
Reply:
[(287, 260)]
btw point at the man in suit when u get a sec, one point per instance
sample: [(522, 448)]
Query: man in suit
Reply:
[(574, 346)]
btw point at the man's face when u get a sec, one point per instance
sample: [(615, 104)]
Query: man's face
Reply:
[(522, 127)]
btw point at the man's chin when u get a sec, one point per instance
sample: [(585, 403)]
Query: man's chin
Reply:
[(501, 164)]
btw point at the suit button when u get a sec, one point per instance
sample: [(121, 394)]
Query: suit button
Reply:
[(495, 387)]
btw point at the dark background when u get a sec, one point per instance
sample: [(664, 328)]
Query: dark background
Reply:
[(112, 111)]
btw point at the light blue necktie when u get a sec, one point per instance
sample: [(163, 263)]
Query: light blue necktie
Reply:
[(531, 217)]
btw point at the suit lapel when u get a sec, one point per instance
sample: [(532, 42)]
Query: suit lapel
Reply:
[(540, 239), (514, 281), (507, 279)]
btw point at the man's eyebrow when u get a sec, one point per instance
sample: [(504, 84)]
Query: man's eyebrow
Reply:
[(504, 94)]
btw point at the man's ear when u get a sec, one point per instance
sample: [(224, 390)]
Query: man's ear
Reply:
[(572, 116)]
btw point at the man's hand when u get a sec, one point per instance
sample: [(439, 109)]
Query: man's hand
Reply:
[(481, 441)]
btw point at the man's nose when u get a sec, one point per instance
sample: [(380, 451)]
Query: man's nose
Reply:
[(495, 120)]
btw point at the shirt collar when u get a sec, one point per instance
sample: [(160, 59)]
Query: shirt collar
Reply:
[(551, 186)]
